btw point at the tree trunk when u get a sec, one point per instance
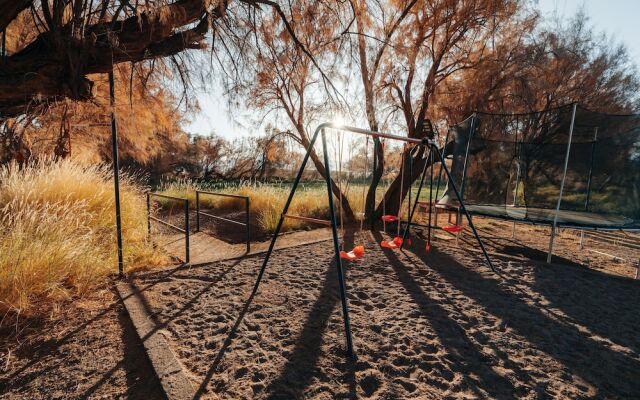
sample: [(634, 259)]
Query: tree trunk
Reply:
[(56, 64), (376, 175), (392, 198)]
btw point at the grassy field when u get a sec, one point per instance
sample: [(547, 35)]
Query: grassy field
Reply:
[(57, 236), (268, 199)]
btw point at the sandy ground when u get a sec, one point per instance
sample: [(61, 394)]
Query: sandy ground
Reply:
[(89, 350), (425, 326), (532, 242)]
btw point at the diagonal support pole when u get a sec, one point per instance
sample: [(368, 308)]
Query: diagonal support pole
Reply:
[(462, 206), (284, 212), (336, 246)]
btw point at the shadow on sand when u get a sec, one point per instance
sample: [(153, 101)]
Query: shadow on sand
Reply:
[(613, 372)]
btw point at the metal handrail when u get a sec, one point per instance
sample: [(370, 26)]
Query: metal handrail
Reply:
[(234, 196), (184, 230), (154, 194)]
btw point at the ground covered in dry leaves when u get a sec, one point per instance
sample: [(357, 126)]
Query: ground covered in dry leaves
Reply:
[(437, 325), (88, 350)]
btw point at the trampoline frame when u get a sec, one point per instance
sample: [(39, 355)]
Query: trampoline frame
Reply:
[(554, 222)]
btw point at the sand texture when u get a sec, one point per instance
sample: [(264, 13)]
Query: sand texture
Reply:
[(88, 350), (425, 326)]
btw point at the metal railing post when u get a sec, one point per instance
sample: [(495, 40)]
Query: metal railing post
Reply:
[(246, 221), (186, 230), (116, 171), (148, 216), (197, 211)]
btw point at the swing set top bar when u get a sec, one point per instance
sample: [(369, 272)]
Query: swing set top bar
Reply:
[(331, 125)]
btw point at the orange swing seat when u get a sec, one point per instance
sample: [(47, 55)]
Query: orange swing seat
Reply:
[(355, 254)]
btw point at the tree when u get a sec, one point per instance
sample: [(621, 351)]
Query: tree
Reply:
[(416, 47), (371, 19), (281, 75), (148, 116), (77, 38), (534, 67)]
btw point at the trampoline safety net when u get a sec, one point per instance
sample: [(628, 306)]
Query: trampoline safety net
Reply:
[(512, 167)]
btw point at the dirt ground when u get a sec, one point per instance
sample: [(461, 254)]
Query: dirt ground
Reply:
[(532, 242), (431, 325), (425, 325), (89, 350)]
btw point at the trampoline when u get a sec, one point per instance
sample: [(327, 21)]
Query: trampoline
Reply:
[(565, 167), (566, 218)]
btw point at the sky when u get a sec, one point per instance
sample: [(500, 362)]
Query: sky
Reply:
[(617, 18)]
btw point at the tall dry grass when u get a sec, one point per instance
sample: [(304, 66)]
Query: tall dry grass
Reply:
[(57, 232), (268, 199)]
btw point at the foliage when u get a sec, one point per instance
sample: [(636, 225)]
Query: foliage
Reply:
[(267, 200), (148, 119)]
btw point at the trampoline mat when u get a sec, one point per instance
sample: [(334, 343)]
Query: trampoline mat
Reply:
[(565, 217)]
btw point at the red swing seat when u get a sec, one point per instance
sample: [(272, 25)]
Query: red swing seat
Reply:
[(453, 228), (394, 244), (390, 218)]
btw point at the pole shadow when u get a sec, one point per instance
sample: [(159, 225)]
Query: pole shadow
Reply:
[(613, 372), (463, 353)]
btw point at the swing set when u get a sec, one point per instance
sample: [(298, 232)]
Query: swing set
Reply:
[(358, 251)]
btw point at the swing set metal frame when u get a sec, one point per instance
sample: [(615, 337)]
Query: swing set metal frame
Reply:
[(320, 131)]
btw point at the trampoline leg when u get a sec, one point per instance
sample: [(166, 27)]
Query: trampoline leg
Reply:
[(435, 211), (581, 239), (513, 232), (550, 252), (638, 269)]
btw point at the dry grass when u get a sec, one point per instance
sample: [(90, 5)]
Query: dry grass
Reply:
[(57, 236), (267, 200)]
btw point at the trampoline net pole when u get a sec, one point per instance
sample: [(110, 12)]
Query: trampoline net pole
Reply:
[(564, 176), (515, 194), (593, 151)]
